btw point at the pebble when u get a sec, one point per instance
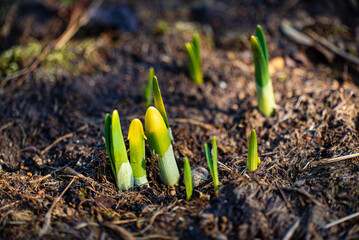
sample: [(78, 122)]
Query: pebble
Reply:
[(199, 176), (222, 84)]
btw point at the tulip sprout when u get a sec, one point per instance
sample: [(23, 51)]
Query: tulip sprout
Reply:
[(147, 88), (212, 163), (187, 178), (136, 139), (253, 159), (160, 144), (265, 94), (117, 153), (159, 104), (195, 62)]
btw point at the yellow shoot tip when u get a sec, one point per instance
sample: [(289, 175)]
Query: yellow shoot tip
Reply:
[(154, 121), (136, 129)]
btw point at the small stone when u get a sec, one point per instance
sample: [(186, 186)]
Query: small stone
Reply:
[(222, 84), (299, 183), (221, 236), (199, 176)]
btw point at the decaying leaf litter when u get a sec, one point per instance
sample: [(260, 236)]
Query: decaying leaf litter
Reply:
[(57, 182)]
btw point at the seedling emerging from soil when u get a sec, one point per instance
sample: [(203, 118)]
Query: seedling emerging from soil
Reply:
[(159, 104), (136, 138), (265, 94), (212, 163), (147, 88), (160, 144), (117, 153), (187, 178), (195, 62), (253, 159)]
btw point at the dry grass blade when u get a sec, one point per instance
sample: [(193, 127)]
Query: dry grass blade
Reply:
[(56, 142), (291, 230), (46, 226), (9, 124), (341, 220), (122, 231), (337, 159)]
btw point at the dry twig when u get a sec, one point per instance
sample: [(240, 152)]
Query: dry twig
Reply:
[(46, 226), (341, 220)]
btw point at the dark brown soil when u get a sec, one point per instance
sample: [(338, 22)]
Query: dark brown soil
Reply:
[(51, 126)]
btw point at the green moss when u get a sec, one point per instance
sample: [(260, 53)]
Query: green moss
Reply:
[(75, 57)]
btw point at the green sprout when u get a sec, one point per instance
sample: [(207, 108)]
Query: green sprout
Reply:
[(253, 159), (147, 88), (159, 104), (212, 163), (187, 178), (195, 62), (160, 144), (265, 94), (136, 138), (117, 153)]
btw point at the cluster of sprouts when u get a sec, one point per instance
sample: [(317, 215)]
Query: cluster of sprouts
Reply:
[(158, 132)]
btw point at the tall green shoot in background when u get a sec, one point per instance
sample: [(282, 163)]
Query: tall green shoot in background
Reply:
[(253, 160), (265, 94), (159, 104), (213, 162), (147, 88), (160, 144), (136, 138), (117, 153), (195, 63)]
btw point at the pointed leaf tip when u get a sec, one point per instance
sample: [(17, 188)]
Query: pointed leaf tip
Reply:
[(136, 129)]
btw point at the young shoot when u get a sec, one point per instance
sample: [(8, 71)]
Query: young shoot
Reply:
[(136, 138), (265, 94), (117, 153), (159, 104), (212, 162), (253, 159), (187, 178), (160, 144), (147, 88), (195, 63)]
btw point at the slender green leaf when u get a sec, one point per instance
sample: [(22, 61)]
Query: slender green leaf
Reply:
[(260, 64), (195, 62), (158, 101), (197, 49), (215, 163), (208, 157), (192, 61), (147, 88), (108, 122), (252, 161), (188, 178), (262, 42)]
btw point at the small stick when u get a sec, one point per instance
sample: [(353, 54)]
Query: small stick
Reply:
[(337, 159), (46, 226), (156, 236), (291, 230), (124, 233), (9, 205), (56, 142), (9, 124), (341, 220), (124, 221), (46, 176)]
